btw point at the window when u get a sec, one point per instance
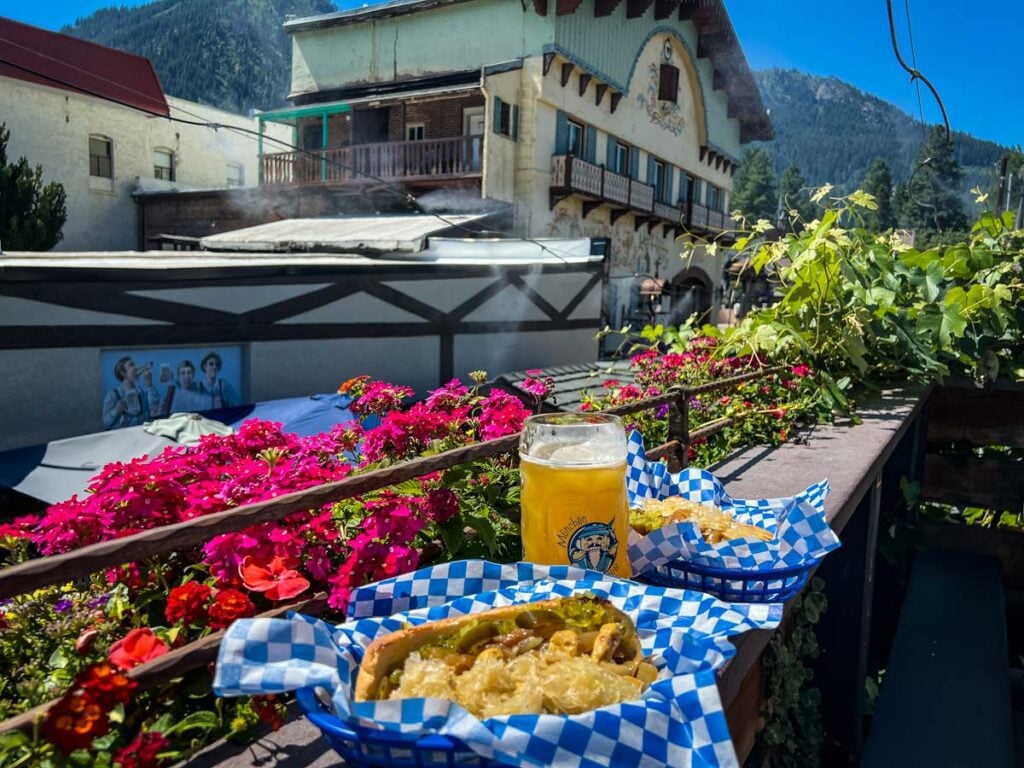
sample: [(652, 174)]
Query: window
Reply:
[(658, 181), (101, 157), (506, 118), (621, 159), (686, 188), (236, 175), (575, 139), (163, 164), (668, 83), (714, 198), (414, 131), (312, 136)]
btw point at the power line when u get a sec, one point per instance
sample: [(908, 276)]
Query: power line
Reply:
[(255, 136), (913, 60)]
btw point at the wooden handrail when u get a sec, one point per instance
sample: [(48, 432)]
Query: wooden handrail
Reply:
[(59, 569)]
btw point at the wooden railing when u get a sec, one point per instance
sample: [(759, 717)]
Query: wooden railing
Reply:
[(571, 175), (81, 563), (398, 160), (641, 196), (669, 213), (702, 217)]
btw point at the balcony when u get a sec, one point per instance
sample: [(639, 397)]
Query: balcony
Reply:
[(702, 217), (455, 158), (598, 186)]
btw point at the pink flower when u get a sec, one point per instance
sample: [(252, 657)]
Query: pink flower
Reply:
[(800, 371), (501, 414)]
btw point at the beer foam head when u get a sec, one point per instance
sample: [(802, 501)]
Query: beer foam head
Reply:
[(574, 439)]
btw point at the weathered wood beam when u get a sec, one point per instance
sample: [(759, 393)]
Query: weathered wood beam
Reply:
[(639, 221), (566, 7), (541, 7), (617, 213), (703, 152), (605, 7), (584, 82), (710, 42), (992, 483), (711, 156), (652, 225), (589, 206), (719, 80), (637, 8), (600, 90), (567, 69), (616, 98), (664, 8), (549, 59)]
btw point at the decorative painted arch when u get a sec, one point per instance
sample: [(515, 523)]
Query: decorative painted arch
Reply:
[(696, 82)]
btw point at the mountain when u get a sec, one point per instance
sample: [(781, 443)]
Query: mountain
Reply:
[(231, 54), (833, 131)]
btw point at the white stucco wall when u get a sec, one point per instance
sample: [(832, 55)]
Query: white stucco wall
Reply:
[(51, 127)]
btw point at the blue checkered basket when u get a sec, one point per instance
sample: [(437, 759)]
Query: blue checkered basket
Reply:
[(736, 571), (372, 748), (678, 721)]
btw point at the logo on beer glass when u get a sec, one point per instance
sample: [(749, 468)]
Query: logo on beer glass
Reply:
[(593, 546)]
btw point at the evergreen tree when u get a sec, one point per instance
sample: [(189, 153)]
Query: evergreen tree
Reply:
[(878, 182), (754, 191), (31, 214), (793, 197), (933, 197)]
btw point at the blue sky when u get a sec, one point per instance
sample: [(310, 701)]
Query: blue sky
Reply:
[(967, 50)]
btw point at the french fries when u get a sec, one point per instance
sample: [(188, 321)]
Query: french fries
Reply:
[(714, 525)]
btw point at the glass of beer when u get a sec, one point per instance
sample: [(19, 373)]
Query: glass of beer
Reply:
[(574, 504)]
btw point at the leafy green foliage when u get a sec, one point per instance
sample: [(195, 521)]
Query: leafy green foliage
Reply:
[(933, 192), (232, 54), (754, 192), (793, 734), (866, 309), (878, 184), (793, 197), (32, 214)]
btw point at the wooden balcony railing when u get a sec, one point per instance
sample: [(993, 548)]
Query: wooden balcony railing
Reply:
[(571, 175), (702, 217), (457, 157), (669, 213)]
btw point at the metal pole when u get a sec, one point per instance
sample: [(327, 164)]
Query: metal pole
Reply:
[(259, 150)]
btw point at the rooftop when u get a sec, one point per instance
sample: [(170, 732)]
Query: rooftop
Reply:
[(39, 56)]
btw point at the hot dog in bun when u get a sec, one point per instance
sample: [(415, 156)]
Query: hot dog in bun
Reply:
[(560, 656)]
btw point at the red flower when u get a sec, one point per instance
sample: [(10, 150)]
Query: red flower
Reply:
[(278, 581), (74, 721), (778, 413), (800, 371), (137, 647), (143, 751), (725, 400), (107, 685), (229, 605), (187, 603), (268, 710)]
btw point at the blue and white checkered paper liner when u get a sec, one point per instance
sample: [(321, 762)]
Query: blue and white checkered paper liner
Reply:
[(802, 533), (679, 721)]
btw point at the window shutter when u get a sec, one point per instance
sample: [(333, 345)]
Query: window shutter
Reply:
[(590, 140), (561, 133), (650, 169), (668, 83), (698, 191), (670, 180), (609, 162), (496, 122), (634, 163), (514, 117)]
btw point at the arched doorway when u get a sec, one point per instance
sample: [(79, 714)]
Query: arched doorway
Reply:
[(689, 293)]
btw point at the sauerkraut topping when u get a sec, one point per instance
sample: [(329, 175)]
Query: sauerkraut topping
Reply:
[(562, 661)]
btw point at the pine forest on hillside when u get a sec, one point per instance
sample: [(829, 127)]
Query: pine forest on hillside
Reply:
[(833, 131), (232, 54)]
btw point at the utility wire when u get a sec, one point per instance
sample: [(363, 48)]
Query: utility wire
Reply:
[(915, 77), (254, 136), (913, 60)]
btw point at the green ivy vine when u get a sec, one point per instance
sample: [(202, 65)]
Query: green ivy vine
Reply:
[(792, 733)]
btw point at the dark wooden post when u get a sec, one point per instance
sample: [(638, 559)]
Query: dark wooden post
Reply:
[(679, 423)]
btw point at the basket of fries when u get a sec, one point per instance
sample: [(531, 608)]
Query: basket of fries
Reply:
[(687, 532)]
